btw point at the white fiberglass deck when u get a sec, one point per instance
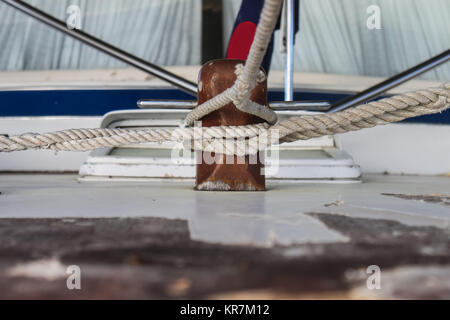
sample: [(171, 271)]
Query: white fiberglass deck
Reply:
[(277, 216)]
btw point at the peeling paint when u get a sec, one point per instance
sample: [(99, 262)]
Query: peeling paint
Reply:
[(334, 203), (156, 258), (430, 198)]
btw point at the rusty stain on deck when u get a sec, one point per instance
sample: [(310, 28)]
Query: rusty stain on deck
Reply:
[(156, 258)]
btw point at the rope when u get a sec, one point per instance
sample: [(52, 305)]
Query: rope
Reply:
[(249, 139), (246, 80)]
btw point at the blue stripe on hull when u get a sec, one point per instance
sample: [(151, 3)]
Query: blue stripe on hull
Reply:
[(99, 102)]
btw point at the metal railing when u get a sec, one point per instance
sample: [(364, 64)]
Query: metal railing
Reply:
[(390, 83), (275, 105)]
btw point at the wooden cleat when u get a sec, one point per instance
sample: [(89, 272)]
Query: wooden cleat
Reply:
[(235, 173)]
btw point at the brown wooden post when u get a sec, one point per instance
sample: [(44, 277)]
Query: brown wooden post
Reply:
[(215, 77)]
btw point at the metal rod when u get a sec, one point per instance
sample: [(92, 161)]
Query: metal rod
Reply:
[(183, 84), (276, 105), (390, 83), (289, 67), (166, 104), (300, 105)]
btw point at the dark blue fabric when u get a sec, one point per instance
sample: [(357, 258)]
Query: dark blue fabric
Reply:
[(98, 102)]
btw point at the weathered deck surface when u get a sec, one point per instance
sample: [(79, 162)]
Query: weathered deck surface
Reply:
[(165, 240)]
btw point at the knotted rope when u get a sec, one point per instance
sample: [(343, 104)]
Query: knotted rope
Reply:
[(249, 139), (247, 78)]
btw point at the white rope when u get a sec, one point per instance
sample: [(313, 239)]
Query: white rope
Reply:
[(241, 140), (239, 69), (247, 139), (246, 80)]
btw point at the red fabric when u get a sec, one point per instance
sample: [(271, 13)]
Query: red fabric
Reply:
[(241, 40)]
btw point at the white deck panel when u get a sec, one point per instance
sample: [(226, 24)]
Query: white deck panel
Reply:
[(277, 216)]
